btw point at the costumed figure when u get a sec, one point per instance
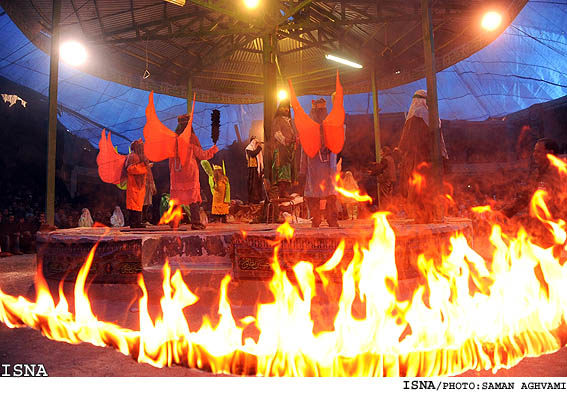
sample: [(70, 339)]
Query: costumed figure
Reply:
[(416, 147), (150, 192), (116, 168), (117, 218), (322, 138), (86, 220), (137, 167), (220, 189), (255, 163), (348, 183), (386, 172), (182, 148), (283, 168)]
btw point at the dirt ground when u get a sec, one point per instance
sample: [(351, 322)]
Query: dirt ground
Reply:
[(25, 346)]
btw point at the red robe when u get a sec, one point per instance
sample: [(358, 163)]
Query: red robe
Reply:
[(416, 176), (184, 179), (181, 150), (136, 191)]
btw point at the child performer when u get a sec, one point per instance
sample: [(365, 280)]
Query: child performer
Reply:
[(220, 204)]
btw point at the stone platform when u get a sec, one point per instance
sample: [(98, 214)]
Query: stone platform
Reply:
[(243, 251)]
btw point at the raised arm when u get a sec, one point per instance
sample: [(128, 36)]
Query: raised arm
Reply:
[(206, 154), (137, 169), (136, 166)]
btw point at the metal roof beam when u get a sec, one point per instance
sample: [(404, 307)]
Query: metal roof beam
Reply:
[(294, 10), (181, 34), (217, 57), (214, 6), (308, 25), (159, 22)]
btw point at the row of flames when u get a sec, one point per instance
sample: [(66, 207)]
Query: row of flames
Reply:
[(469, 313)]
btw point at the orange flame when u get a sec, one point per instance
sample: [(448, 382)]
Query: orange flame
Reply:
[(352, 194), (481, 209), (174, 213), (539, 209), (558, 163), (356, 195), (435, 332), (417, 181), (285, 231)]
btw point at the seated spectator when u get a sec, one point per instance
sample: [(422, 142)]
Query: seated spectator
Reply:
[(10, 233), (544, 177), (26, 236), (117, 218), (85, 220), (61, 219)]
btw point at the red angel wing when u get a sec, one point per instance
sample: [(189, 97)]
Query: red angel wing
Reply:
[(307, 128), (110, 162), (160, 140), (333, 125), (185, 138)]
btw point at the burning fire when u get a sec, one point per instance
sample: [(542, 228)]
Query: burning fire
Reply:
[(558, 163), (417, 181), (286, 231), (174, 213), (519, 295), (481, 209), (354, 195)]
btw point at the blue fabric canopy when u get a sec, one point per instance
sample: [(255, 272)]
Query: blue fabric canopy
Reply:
[(522, 67)]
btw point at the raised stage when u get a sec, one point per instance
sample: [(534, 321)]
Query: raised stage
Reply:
[(240, 250)]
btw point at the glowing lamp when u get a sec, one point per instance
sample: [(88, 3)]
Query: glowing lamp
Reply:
[(491, 20), (282, 95), (73, 53), (251, 3), (343, 61), (180, 3)]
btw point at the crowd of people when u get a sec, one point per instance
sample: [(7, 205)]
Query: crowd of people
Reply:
[(21, 215)]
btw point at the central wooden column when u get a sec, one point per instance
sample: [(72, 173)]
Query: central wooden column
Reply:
[(270, 99), (377, 144), (430, 75), (52, 127)]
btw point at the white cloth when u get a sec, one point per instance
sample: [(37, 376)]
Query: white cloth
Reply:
[(259, 157), (117, 218), (86, 220), (418, 108), (12, 99)]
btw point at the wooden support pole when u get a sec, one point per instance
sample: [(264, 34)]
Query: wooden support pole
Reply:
[(189, 94), (270, 86), (52, 127), (432, 104), (237, 131), (376, 112)]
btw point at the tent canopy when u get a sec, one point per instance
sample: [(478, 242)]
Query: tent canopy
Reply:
[(222, 46), (522, 67)]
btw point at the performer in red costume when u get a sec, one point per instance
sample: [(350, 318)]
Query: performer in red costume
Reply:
[(182, 148), (322, 138), (132, 170)]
